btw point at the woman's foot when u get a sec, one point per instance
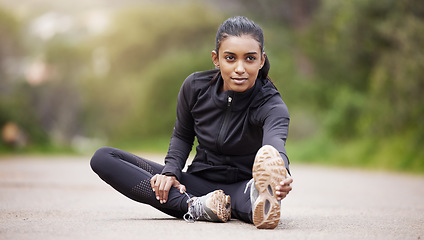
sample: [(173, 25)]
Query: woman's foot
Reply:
[(268, 171), (214, 207)]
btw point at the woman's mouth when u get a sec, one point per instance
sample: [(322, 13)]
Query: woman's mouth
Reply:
[(239, 80)]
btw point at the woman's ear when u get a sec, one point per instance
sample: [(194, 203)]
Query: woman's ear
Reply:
[(263, 59), (215, 58)]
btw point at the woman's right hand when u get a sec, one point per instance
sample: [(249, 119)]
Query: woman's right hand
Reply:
[(161, 184)]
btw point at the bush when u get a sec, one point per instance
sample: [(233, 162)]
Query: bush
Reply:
[(368, 57)]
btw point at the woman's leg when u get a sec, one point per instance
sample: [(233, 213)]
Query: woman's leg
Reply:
[(130, 175), (211, 203), (241, 207)]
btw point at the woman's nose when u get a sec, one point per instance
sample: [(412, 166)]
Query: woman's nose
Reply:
[(239, 68)]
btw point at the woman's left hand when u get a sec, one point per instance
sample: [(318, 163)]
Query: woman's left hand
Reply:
[(161, 184), (284, 188)]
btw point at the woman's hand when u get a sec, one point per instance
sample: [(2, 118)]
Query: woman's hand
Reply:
[(161, 184), (284, 188)]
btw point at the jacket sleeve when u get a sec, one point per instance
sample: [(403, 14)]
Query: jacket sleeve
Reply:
[(183, 135), (275, 118)]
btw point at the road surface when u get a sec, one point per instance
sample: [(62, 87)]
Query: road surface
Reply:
[(61, 198)]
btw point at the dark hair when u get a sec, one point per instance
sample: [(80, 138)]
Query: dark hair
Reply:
[(238, 26)]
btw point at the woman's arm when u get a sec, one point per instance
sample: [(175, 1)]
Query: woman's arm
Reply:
[(179, 147), (275, 119), (275, 132), (183, 135)]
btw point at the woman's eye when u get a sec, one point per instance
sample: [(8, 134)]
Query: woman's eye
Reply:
[(251, 58), (230, 58)]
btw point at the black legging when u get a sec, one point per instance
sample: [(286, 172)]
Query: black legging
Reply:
[(130, 175)]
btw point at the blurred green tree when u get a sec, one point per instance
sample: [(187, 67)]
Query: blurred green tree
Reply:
[(149, 51), (15, 98), (368, 57)]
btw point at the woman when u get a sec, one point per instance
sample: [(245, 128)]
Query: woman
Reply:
[(241, 124)]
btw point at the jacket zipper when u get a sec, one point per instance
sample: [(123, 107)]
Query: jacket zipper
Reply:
[(224, 126)]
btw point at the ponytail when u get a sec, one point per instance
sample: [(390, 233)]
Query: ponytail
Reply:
[(263, 72)]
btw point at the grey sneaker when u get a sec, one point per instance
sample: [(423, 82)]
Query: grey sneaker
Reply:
[(214, 207), (268, 171)]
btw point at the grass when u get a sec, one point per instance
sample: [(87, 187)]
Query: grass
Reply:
[(152, 145), (36, 149), (391, 154), (158, 144)]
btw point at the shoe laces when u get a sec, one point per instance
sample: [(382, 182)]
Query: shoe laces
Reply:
[(195, 210), (249, 184), (253, 191)]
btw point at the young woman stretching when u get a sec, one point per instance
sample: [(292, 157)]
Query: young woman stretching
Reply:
[(241, 123)]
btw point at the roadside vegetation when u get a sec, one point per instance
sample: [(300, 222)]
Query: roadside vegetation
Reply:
[(349, 71)]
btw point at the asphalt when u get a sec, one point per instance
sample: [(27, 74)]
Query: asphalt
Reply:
[(61, 198)]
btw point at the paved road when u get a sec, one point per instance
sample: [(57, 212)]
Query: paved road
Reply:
[(60, 198)]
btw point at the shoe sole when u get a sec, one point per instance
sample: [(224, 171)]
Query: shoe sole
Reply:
[(220, 205), (268, 171)]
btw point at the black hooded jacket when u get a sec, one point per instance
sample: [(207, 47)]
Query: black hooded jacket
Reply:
[(230, 128)]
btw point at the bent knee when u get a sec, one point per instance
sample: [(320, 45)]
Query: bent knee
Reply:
[(98, 160)]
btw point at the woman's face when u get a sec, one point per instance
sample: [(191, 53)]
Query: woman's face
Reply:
[(239, 60)]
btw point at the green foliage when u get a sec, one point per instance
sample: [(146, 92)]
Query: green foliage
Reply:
[(141, 35), (167, 74), (373, 50), (120, 86), (395, 153), (368, 57), (10, 49), (10, 41), (352, 78), (15, 96), (150, 51)]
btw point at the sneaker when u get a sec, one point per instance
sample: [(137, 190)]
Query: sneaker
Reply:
[(214, 207), (268, 171)]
